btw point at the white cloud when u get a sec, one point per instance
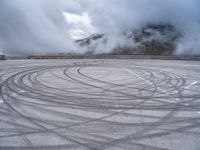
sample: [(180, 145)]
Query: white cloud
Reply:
[(50, 24), (79, 26)]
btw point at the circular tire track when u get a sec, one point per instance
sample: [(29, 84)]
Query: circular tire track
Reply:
[(98, 105)]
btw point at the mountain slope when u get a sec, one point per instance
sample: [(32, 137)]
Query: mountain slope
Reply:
[(153, 39)]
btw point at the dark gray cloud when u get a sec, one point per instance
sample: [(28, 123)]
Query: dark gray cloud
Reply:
[(27, 25)]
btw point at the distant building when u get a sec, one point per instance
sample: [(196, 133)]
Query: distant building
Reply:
[(51, 56), (2, 57)]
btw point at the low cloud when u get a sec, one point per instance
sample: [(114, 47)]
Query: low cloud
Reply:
[(46, 26)]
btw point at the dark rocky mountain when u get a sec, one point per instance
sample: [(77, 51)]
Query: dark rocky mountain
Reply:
[(152, 39), (87, 41)]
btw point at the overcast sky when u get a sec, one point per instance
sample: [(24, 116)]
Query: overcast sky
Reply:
[(52, 25)]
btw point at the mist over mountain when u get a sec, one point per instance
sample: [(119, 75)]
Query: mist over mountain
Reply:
[(153, 39), (139, 26)]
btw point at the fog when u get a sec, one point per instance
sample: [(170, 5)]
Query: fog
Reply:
[(37, 26), (33, 26)]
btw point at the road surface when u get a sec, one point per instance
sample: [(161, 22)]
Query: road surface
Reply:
[(100, 104)]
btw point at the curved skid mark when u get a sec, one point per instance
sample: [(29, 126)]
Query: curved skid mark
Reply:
[(98, 105)]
